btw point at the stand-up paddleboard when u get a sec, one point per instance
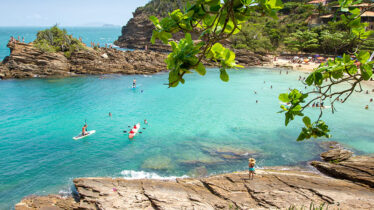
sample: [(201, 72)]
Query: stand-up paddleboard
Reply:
[(88, 133), (134, 131)]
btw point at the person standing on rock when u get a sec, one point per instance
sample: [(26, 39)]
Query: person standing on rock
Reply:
[(251, 165)]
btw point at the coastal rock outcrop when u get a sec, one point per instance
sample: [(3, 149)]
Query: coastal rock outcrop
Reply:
[(272, 188), (26, 60), (343, 165)]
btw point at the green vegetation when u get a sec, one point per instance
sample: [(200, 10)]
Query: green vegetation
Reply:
[(292, 32), (162, 7), (57, 40), (219, 20)]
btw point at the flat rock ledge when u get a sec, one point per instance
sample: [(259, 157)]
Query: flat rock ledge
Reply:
[(342, 165), (272, 188)]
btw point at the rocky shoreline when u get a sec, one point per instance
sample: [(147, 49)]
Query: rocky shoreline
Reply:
[(274, 188), (26, 61)]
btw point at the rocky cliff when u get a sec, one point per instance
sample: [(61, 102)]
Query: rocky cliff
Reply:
[(272, 188), (27, 61)]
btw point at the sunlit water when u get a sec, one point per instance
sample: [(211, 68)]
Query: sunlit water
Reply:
[(187, 126)]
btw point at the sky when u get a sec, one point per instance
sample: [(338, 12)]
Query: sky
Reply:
[(67, 12)]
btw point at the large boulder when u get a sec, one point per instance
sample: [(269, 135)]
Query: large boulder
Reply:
[(341, 164), (336, 155)]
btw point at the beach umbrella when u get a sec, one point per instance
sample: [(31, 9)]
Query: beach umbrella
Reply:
[(317, 56), (320, 58)]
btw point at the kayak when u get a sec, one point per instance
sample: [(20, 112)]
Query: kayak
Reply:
[(135, 131), (88, 133)]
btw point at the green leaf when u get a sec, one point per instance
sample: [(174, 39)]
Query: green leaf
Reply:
[(367, 71), (223, 75), (155, 21), (363, 56), (201, 69), (284, 97), (307, 121)]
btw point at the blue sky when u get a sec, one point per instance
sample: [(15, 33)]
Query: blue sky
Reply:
[(67, 12)]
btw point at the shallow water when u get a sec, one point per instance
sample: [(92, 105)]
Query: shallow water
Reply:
[(191, 128)]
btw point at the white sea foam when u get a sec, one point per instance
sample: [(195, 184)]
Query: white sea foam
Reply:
[(130, 174)]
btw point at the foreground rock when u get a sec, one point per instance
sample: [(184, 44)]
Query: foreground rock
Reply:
[(271, 188), (27, 61), (343, 166)]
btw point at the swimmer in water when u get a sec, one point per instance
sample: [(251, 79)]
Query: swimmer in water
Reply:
[(367, 107), (134, 83), (145, 121), (110, 114)]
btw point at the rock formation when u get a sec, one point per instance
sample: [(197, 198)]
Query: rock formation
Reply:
[(343, 165), (272, 188), (27, 61)]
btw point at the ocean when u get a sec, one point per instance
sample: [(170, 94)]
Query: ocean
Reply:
[(202, 127)]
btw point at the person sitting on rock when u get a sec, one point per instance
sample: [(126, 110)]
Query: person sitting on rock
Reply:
[(251, 165)]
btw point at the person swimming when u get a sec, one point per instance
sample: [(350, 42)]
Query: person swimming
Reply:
[(110, 114), (145, 121), (367, 107), (134, 83)]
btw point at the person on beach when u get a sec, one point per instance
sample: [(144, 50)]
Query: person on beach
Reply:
[(251, 167), (134, 83), (23, 39), (84, 130)]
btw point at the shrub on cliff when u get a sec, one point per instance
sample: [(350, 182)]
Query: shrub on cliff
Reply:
[(57, 40)]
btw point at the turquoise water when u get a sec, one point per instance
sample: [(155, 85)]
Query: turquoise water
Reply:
[(102, 35), (187, 125)]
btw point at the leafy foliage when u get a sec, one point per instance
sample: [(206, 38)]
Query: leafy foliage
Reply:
[(214, 21), (306, 41), (57, 40)]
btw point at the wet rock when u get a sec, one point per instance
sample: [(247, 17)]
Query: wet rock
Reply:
[(198, 172), (270, 189), (336, 155), (158, 163)]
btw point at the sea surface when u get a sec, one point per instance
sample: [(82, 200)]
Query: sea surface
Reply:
[(101, 35), (193, 129), (189, 128)]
